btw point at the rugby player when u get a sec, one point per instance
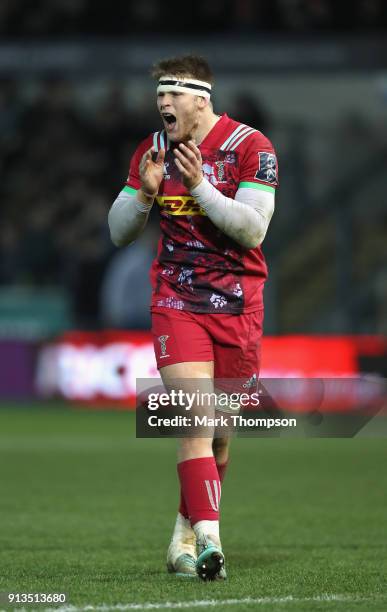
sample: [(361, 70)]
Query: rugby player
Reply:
[(213, 180)]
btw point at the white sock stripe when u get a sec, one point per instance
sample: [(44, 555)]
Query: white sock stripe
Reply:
[(210, 496), (209, 493), (234, 146), (245, 130), (234, 133), (217, 496)]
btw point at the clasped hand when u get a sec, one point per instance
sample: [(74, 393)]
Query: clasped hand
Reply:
[(188, 160)]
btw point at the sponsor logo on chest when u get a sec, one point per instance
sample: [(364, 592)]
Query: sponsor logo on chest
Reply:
[(180, 205)]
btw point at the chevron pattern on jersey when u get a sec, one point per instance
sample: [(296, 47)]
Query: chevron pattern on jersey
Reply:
[(237, 136)]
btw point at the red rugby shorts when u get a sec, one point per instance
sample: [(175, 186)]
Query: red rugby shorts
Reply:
[(232, 342)]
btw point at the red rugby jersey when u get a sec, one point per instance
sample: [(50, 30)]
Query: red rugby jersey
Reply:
[(198, 268)]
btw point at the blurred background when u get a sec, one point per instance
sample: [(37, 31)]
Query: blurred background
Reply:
[(75, 100)]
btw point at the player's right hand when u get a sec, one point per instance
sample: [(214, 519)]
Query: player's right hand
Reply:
[(151, 172)]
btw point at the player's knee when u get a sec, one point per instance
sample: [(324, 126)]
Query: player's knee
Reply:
[(220, 448), (191, 448)]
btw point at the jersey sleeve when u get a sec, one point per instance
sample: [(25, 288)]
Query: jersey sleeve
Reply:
[(259, 166), (133, 181)]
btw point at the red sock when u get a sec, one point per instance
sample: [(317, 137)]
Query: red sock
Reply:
[(199, 480), (182, 506), (221, 467)]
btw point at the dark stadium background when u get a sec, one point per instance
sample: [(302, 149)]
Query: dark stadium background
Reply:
[(75, 99)]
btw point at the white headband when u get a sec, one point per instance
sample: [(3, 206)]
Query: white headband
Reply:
[(192, 86)]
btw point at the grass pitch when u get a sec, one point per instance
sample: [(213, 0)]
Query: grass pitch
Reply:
[(88, 509)]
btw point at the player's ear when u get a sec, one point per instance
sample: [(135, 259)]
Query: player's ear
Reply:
[(202, 102)]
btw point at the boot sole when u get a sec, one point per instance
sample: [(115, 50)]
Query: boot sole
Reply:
[(209, 564)]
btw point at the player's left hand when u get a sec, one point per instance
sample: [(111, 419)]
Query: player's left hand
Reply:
[(188, 159)]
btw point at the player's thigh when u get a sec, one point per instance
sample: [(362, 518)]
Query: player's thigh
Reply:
[(194, 382), (184, 354), (188, 381), (181, 340)]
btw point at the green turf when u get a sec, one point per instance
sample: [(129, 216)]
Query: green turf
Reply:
[(88, 509)]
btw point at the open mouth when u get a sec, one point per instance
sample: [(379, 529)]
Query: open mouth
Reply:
[(170, 120)]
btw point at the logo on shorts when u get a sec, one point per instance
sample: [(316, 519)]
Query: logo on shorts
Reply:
[(251, 382), (163, 344)]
